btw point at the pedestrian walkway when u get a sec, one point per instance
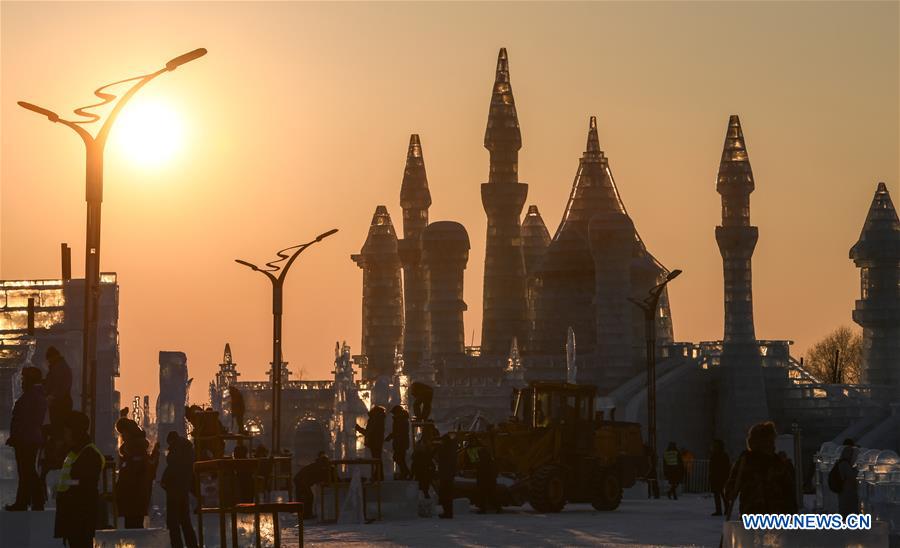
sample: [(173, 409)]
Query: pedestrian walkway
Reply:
[(685, 522)]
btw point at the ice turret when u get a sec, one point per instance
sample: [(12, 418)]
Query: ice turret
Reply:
[(877, 255), (535, 239), (503, 196), (741, 393), (382, 313), (736, 238), (445, 254)]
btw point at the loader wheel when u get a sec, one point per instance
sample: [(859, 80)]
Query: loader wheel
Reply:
[(546, 491), (607, 492)]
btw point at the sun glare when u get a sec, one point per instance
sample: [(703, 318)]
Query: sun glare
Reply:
[(148, 133)]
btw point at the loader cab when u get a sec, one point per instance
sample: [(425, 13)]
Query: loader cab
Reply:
[(566, 406)]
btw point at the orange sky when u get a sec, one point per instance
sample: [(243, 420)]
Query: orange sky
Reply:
[(298, 119)]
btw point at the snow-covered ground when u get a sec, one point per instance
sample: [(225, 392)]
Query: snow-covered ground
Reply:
[(662, 522)]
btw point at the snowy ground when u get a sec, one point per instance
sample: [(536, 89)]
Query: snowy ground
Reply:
[(685, 522)]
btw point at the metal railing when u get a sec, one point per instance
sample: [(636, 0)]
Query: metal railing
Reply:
[(695, 478)]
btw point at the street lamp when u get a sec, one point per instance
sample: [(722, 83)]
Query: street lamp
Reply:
[(94, 146), (276, 274), (649, 306)]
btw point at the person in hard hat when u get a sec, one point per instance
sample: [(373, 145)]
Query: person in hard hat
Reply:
[(77, 495)]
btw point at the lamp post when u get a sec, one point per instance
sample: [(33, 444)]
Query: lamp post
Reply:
[(276, 274), (94, 145), (649, 306)]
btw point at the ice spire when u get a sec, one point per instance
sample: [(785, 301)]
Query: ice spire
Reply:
[(593, 141), (414, 193), (502, 136), (735, 173)]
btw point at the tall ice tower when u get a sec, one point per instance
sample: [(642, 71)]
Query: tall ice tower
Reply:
[(741, 387), (877, 254), (415, 199), (503, 196)]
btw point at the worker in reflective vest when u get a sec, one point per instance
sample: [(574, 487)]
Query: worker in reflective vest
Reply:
[(673, 468), (77, 497)]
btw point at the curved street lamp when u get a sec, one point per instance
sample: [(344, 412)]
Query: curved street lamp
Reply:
[(94, 146), (276, 273), (649, 306)]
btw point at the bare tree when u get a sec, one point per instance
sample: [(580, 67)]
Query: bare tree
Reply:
[(836, 359)]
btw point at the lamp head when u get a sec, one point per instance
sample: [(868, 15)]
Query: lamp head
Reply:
[(245, 263), (324, 235), (52, 116), (186, 58)]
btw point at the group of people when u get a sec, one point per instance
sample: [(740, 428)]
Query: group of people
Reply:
[(434, 456), (65, 444), (30, 437), (761, 480)]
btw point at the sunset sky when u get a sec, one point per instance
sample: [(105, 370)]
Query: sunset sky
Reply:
[(298, 119)]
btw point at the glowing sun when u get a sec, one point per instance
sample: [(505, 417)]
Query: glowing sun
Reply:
[(148, 133)]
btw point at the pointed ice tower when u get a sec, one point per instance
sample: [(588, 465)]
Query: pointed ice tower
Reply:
[(415, 199), (742, 393), (382, 313), (535, 240), (877, 255), (503, 196), (565, 296)]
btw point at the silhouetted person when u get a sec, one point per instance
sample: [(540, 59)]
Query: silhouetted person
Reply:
[(132, 486), (244, 473), (314, 473), (58, 386), (237, 407), (446, 474), (423, 466), (848, 498), (763, 481), (399, 438), (26, 438), (77, 497), (673, 469), (374, 431), (177, 480), (206, 432), (486, 481), (422, 395), (719, 466)]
